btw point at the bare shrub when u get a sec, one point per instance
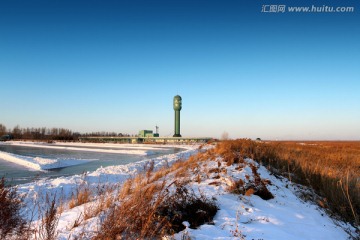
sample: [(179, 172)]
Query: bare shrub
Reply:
[(185, 205), (259, 185), (11, 221), (77, 222), (236, 187), (237, 232)]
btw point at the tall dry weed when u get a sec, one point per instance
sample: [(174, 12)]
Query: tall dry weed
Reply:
[(134, 216), (82, 195), (47, 229)]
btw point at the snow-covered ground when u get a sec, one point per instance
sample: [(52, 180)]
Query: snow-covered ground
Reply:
[(285, 216)]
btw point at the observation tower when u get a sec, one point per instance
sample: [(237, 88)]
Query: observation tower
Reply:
[(177, 108)]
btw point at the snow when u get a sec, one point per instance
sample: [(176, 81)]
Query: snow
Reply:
[(286, 216)]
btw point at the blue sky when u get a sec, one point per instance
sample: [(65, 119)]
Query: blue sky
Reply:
[(116, 65)]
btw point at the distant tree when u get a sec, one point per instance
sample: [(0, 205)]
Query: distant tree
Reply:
[(63, 134), (225, 136), (2, 129), (26, 133), (43, 132), (17, 132), (54, 132)]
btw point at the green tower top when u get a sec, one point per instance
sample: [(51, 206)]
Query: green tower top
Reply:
[(177, 103)]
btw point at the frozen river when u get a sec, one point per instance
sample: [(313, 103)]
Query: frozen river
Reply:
[(26, 162)]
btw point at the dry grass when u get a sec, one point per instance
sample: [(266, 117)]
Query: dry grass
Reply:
[(49, 221), (330, 168), (103, 202), (82, 195), (147, 208), (236, 187), (77, 222), (160, 174), (257, 186), (13, 226), (134, 216)]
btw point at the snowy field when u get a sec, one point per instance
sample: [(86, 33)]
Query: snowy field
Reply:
[(285, 216)]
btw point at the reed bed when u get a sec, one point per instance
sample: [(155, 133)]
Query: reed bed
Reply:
[(332, 169)]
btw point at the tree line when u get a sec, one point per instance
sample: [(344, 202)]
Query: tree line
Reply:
[(44, 133)]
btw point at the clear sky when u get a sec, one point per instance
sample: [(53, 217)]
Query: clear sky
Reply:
[(116, 66)]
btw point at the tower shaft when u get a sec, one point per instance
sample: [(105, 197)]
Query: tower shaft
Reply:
[(177, 107), (177, 124)]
